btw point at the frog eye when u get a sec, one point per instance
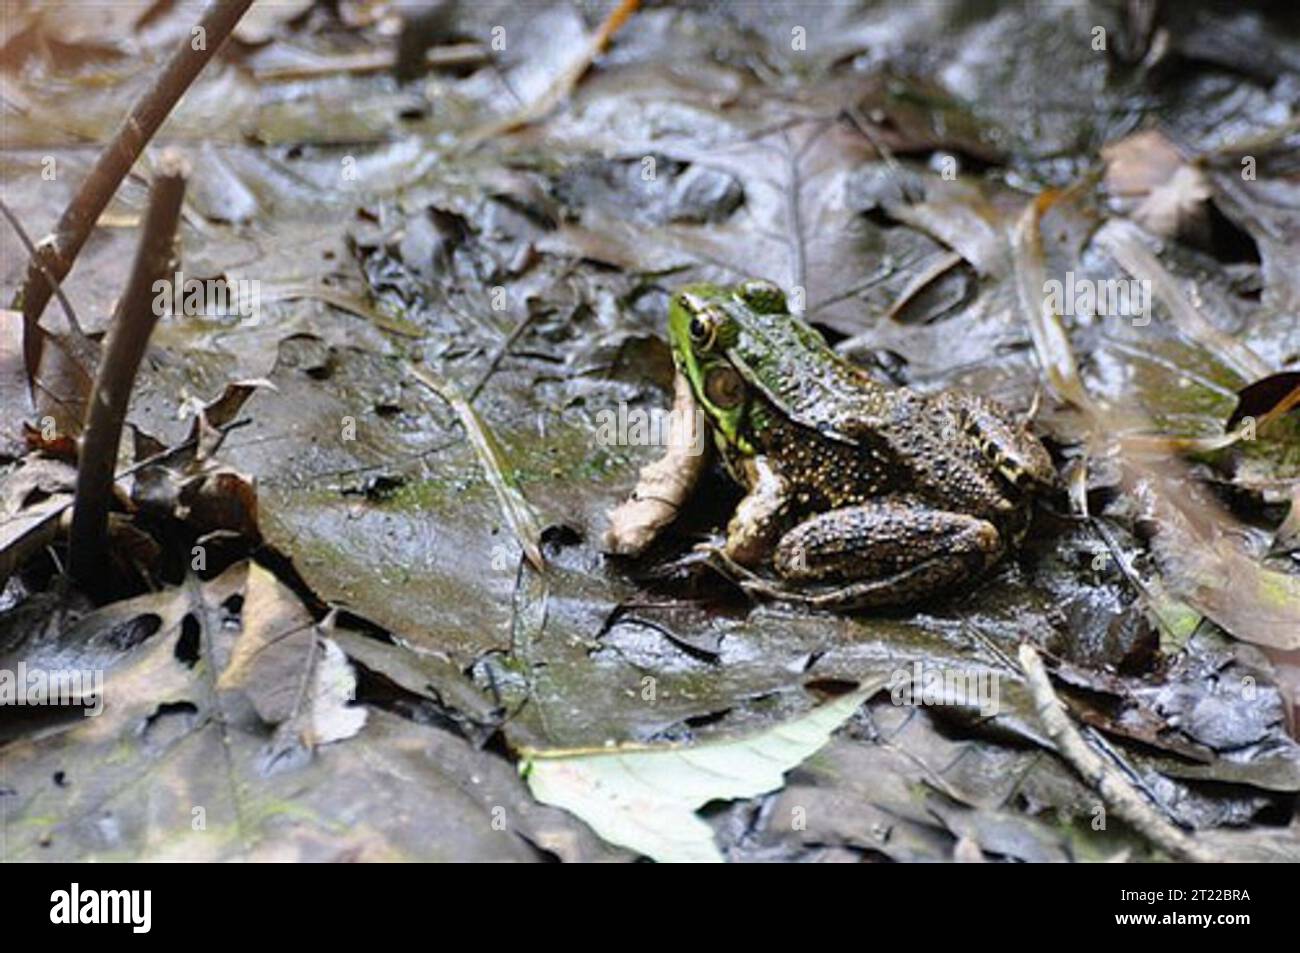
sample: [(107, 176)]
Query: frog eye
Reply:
[(763, 296), (724, 388), (703, 329)]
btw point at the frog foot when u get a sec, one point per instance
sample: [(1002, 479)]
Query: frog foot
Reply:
[(754, 585), (718, 559)]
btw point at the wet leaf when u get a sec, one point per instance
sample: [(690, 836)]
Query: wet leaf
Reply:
[(1123, 241), (176, 768), (519, 513), (1205, 566), (1162, 192), (884, 169), (265, 18), (294, 675), (25, 533), (1050, 341)]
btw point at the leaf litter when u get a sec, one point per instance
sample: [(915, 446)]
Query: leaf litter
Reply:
[(388, 632)]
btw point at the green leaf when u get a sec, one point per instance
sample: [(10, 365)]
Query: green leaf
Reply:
[(645, 797)]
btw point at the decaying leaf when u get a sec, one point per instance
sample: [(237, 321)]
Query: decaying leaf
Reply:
[(331, 714), (24, 534), (1124, 243), (295, 676), (1051, 344), (1287, 537), (664, 485), (1156, 185), (174, 766), (1204, 565), (883, 188), (189, 483), (265, 18)]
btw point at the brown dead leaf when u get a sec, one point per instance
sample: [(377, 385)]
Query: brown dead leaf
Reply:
[(46, 415), (191, 484), (1203, 564), (1287, 537), (1051, 342), (1154, 184), (1139, 163), (664, 485), (293, 675)]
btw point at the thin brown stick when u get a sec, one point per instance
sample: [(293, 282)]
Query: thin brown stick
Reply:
[(32, 257), (56, 254), (127, 339), (500, 353), (563, 84), (1103, 778)]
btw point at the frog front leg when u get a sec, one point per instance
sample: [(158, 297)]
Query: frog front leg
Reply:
[(760, 517), (885, 552)]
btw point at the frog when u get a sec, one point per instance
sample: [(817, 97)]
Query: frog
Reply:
[(857, 493)]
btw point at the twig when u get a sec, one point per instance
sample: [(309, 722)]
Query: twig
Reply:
[(35, 259), (56, 254), (124, 349), (563, 84), (162, 456), (500, 354), (1106, 779), (376, 61)]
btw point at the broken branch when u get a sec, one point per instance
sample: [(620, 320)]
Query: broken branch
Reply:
[(1103, 778), (56, 254), (127, 339)]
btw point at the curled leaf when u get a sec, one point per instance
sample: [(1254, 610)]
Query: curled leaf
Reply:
[(664, 485), (1267, 398), (1051, 343)]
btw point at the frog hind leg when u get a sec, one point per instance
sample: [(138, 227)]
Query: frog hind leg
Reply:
[(883, 553)]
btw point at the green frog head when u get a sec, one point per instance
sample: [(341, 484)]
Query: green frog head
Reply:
[(702, 328), (740, 343)]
